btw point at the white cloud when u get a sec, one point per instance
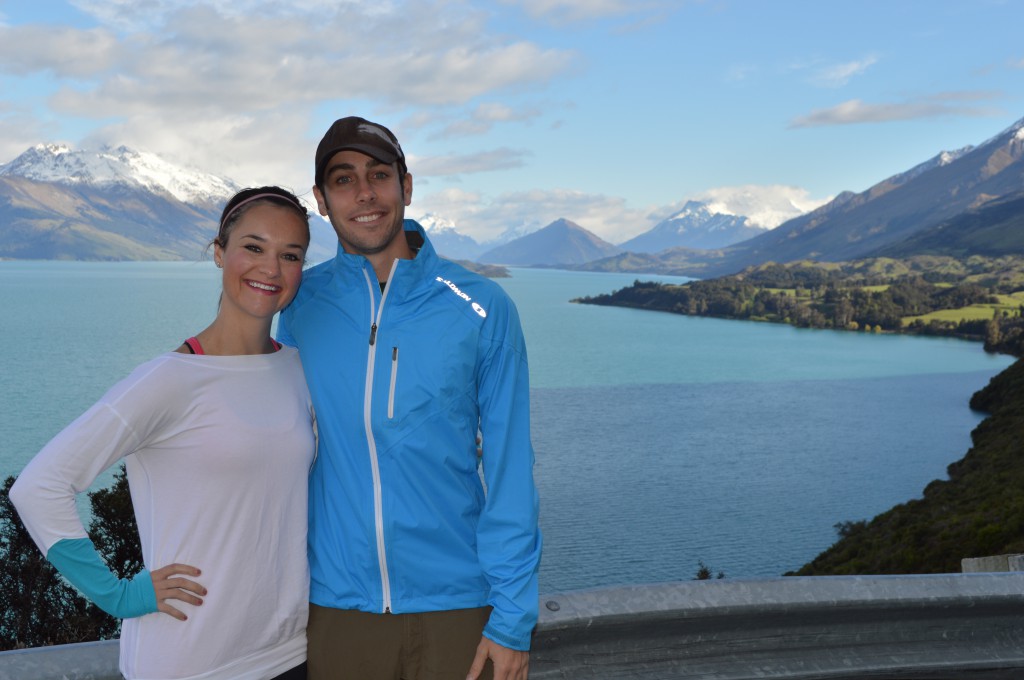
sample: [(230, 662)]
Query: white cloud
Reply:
[(571, 11), (483, 161), (463, 207), (17, 124), (484, 117), (456, 74), (222, 85), (136, 15), (486, 218), (856, 111), (766, 205), (201, 56), (61, 51), (252, 150), (838, 75)]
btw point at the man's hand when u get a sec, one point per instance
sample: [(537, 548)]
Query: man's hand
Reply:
[(509, 664)]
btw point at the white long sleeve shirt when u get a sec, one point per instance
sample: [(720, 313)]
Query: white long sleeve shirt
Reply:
[(217, 451)]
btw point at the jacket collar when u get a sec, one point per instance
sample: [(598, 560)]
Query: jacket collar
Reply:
[(407, 273)]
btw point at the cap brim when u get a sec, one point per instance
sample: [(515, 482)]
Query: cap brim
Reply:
[(372, 152)]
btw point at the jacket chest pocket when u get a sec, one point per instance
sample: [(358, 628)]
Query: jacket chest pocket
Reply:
[(423, 386)]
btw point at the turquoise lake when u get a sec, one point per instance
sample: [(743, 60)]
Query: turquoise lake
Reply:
[(662, 441)]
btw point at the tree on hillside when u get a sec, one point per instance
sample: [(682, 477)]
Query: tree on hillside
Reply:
[(113, 528), (38, 607)]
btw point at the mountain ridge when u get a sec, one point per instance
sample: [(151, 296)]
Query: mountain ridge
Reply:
[(117, 203), (109, 166), (45, 220), (57, 203), (893, 209), (562, 242), (951, 186)]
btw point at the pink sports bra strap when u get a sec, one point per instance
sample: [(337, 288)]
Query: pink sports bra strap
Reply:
[(193, 344)]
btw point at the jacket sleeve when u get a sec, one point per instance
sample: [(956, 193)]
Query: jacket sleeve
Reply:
[(44, 496), (284, 335), (508, 536)]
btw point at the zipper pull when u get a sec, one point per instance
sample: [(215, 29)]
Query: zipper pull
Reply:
[(373, 334)]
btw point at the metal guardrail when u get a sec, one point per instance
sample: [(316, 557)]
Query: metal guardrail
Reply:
[(934, 627)]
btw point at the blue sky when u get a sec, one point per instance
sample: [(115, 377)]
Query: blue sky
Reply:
[(514, 113)]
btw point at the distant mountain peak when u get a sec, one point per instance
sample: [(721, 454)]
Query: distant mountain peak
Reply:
[(435, 224), (561, 242), (109, 166), (692, 207), (563, 223), (698, 225), (447, 240)]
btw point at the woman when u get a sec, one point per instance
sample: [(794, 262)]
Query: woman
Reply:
[(217, 439)]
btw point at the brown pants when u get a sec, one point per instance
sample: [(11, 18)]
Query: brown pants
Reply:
[(353, 645)]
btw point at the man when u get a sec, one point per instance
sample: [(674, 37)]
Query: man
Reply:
[(423, 557)]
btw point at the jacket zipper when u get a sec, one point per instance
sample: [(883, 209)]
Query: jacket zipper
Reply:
[(378, 503), (394, 379)]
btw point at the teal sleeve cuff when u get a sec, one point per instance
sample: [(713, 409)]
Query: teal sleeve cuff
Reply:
[(77, 561)]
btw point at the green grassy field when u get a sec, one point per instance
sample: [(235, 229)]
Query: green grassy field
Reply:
[(1008, 304)]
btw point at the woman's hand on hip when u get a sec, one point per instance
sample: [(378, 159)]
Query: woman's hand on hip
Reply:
[(169, 584)]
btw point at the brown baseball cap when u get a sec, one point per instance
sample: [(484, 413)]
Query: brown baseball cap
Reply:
[(358, 134)]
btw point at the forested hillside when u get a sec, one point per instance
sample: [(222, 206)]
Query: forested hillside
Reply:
[(978, 511)]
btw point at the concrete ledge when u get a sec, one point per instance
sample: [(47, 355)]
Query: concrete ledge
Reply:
[(934, 627), (937, 627), (82, 661), (976, 565)]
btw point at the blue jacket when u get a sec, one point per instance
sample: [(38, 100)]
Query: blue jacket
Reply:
[(401, 517)]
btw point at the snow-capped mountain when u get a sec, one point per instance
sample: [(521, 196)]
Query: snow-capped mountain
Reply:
[(436, 224), (108, 167), (695, 226), (447, 240), (765, 206), (115, 204)]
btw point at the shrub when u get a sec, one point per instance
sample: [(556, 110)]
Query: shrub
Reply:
[(38, 607)]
